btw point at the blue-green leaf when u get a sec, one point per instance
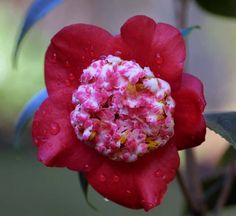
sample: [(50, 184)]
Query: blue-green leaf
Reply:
[(84, 185), (224, 124), (186, 31), (37, 10), (220, 7), (27, 113)]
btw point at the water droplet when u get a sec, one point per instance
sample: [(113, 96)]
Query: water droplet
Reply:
[(68, 83), (44, 132), (106, 200), (92, 53), (128, 192), (150, 205), (116, 178), (67, 63), (44, 112), (118, 53), (83, 58), (54, 128), (71, 76), (36, 141), (157, 173), (159, 59), (54, 57), (86, 167), (102, 178), (164, 177)]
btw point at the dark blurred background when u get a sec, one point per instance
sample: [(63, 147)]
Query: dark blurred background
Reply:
[(27, 188)]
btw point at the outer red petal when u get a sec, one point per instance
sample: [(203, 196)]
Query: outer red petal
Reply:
[(169, 54), (190, 127), (140, 184), (55, 137), (71, 50), (158, 46)]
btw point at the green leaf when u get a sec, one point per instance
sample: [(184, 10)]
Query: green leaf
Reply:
[(220, 7), (84, 185), (186, 31), (227, 157), (37, 10), (224, 124)]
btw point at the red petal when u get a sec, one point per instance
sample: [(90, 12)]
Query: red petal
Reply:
[(140, 184), (169, 54), (135, 40), (190, 127), (158, 46), (55, 137), (71, 50)]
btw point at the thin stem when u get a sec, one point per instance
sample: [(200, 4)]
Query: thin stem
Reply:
[(229, 175), (184, 189), (194, 181)]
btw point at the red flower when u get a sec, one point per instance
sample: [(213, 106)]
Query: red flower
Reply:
[(159, 46)]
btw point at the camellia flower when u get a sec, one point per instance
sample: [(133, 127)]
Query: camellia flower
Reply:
[(119, 108)]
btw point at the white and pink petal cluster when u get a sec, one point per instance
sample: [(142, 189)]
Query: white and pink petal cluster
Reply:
[(122, 110)]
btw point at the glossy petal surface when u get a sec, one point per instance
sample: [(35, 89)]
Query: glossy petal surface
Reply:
[(141, 184), (190, 127), (53, 134)]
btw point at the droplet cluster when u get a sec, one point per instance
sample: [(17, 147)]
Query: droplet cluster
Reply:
[(122, 110)]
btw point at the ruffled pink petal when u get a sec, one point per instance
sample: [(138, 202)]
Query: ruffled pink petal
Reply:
[(71, 50), (55, 137), (140, 184), (190, 126)]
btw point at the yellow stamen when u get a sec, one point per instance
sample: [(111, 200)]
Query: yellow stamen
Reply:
[(139, 87), (131, 89), (123, 137), (152, 144), (92, 136)]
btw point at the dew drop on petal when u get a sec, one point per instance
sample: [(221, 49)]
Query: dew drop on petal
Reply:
[(164, 177), (68, 82), (116, 178), (54, 57), (118, 53), (71, 76), (86, 167), (157, 173), (54, 128), (150, 205), (67, 63), (102, 178), (36, 141), (159, 59), (128, 192)]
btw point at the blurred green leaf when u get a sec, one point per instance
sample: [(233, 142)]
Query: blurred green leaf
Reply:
[(186, 31), (27, 113), (227, 157), (220, 7), (37, 10), (84, 185), (224, 124)]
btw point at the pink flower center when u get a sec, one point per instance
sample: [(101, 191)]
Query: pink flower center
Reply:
[(122, 110)]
